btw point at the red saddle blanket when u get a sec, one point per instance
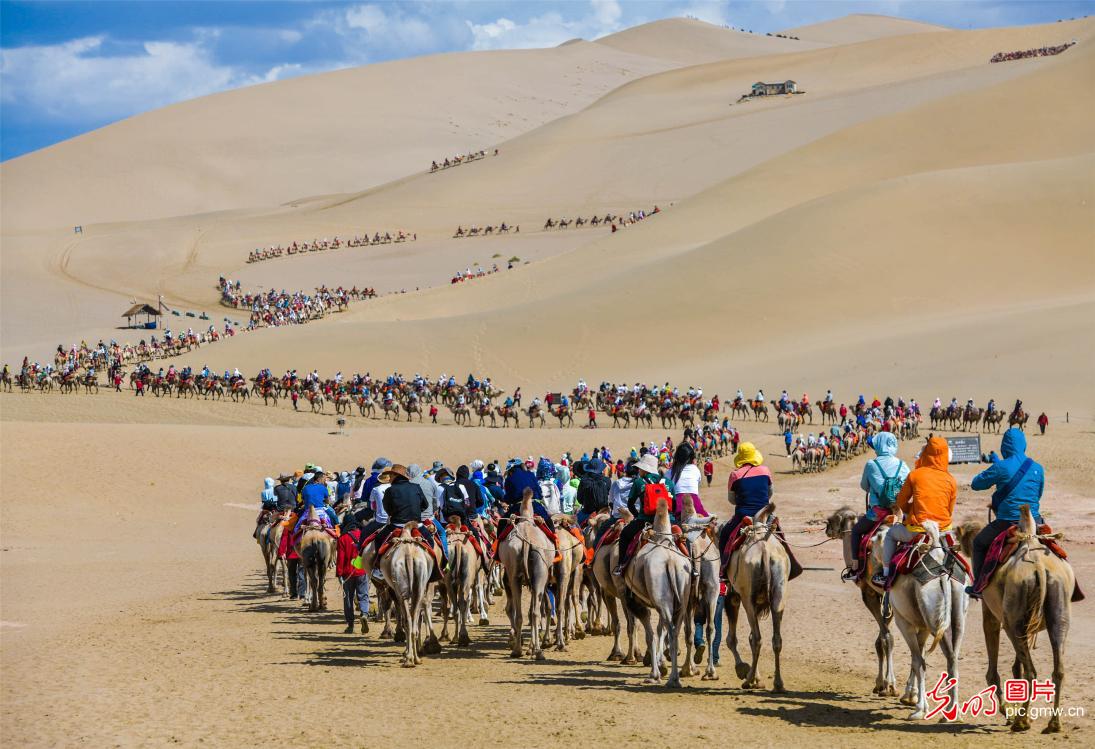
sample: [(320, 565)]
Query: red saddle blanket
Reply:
[(452, 528), (908, 556), (734, 540), (863, 553), (1002, 548)]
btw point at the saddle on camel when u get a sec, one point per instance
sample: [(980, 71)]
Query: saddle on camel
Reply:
[(405, 503), (1007, 542)]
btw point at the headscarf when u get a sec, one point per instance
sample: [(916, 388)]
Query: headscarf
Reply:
[(268, 492), (747, 454)]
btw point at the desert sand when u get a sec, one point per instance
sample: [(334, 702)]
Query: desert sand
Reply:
[(919, 222)]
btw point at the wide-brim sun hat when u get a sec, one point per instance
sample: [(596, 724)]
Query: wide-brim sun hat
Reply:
[(647, 464), (392, 471)]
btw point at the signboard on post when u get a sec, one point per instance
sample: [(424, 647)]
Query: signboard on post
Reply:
[(964, 449)]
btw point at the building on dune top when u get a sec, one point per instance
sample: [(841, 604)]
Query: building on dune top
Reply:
[(774, 89)]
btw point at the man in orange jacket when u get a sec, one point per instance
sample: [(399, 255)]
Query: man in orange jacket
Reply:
[(929, 493)]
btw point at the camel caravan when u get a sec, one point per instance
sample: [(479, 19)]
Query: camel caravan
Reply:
[(587, 547), (274, 308), (273, 252), (448, 163), (612, 220), (971, 418), (486, 231)]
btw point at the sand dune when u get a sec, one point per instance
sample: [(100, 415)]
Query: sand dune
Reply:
[(312, 135), (919, 223), (691, 41), (860, 27)]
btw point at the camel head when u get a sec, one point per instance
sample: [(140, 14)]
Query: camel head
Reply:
[(526, 505), (762, 517), (688, 509), (966, 533), (839, 522)]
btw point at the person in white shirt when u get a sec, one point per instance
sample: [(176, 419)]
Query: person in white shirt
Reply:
[(686, 476), (376, 502)]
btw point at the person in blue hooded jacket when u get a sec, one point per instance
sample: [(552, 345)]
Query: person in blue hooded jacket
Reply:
[(882, 478), (1018, 481)]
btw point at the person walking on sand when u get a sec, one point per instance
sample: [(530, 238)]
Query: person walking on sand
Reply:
[(355, 583), (709, 471), (1043, 422)]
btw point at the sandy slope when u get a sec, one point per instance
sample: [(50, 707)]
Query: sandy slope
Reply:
[(952, 215), (860, 27), (692, 41), (661, 139), (311, 135)]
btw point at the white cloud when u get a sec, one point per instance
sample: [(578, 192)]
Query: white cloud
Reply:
[(70, 82), (388, 30), (548, 29)]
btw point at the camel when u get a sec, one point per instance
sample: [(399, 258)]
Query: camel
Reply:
[(526, 555), (992, 421), (928, 614), (828, 412), (971, 418), (1032, 591), (757, 573), (760, 409), (316, 550), (658, 578), (565, 417), (462, 579), (366, 405), (613, 589), (268, 534), (1018, 419), (703, 548), (620, 413), (390, 409), (406, 568), (412, 407), (507, 413), (568, 582), (839, 527), (484, 413), (460, 414), (535, 413)]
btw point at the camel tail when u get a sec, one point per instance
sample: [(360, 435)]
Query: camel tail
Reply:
[(938, 620), (762, 580), (1036, 604)]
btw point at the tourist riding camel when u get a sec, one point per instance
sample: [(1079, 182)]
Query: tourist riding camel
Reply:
[(647, 489), (1019, 481), (882, 479), (929, 493), (749, 490)]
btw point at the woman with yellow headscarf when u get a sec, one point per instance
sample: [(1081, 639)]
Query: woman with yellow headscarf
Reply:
[(749, 490)]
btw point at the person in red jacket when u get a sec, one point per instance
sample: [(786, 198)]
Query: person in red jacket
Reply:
[(355, 583), (709, 471), (1043, 422)]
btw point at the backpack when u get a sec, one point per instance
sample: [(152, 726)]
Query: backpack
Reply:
[(455, 502), (652, 492), (891, 486)]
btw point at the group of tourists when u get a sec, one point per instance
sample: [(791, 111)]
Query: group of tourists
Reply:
[(612, 220), (275, 308), (452, 161), (1048, 51), (321, 245), (486, 231)]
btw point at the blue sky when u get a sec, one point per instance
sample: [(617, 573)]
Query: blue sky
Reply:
[(70, 67)]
